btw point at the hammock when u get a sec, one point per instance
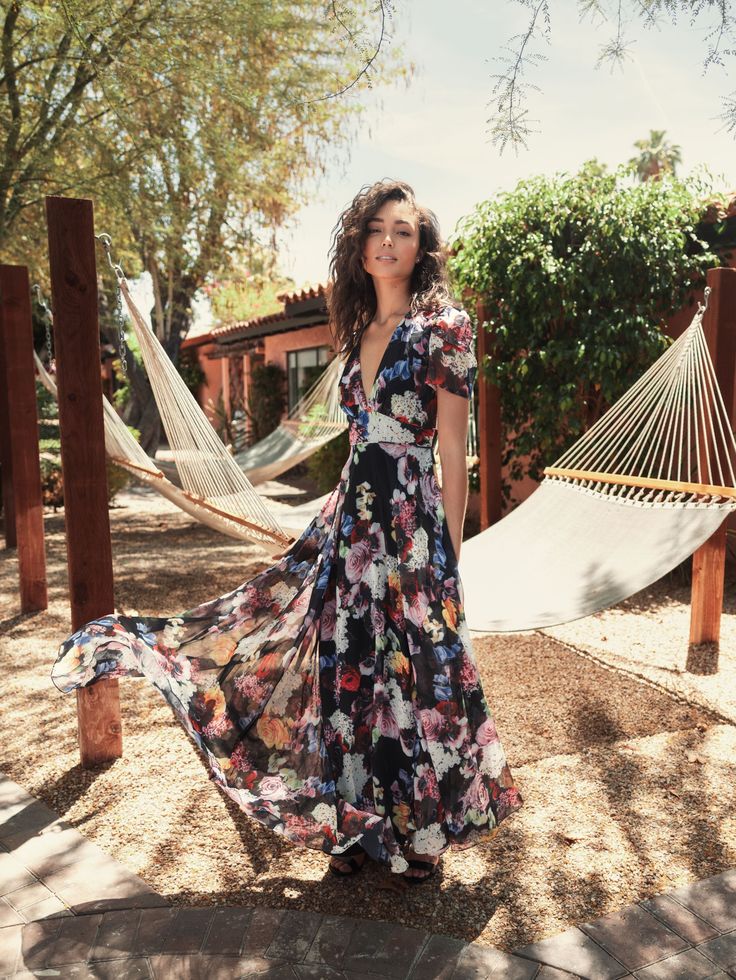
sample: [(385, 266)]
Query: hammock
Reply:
[(638, 493), (247, 517), (315, 420)]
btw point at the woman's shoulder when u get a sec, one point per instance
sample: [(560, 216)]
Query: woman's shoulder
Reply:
[(446, 315)]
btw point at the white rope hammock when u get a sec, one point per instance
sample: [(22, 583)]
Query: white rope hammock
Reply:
[(632, 498), (636, 495), (123, 450)]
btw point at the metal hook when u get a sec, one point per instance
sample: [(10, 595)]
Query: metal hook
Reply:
[(106, 242), (702, 307)]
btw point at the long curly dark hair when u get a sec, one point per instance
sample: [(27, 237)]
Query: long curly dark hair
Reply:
[(351, 296)]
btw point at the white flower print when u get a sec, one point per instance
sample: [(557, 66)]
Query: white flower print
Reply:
[(342, 723), (429, 840), (419, 555), (443, 759), (408, 406), (323, 813), (353, 777), (492, 759)]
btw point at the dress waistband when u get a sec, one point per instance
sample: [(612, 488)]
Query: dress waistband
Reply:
[(379, 429)]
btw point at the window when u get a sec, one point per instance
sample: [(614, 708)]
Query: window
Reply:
[(303, 368)]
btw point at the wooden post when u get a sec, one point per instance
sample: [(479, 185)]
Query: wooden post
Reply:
[(6, 462), (16, 339), (79, 381), (489, 430), (709, 561), (226, 386)]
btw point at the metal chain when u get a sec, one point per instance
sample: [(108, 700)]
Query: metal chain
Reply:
[(106, 243), (47, 322)]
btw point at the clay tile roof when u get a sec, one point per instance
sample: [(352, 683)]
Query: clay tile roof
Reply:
[(308, 292), (246, 326)]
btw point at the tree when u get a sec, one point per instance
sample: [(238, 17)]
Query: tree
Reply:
[(510, 122), (579, 272), (195, 132), (657, 156)]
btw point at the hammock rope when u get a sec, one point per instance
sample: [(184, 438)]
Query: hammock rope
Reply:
[(670, 432), (123, 450), (637, 494)]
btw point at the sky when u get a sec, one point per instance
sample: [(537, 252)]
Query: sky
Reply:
[(434, 133)]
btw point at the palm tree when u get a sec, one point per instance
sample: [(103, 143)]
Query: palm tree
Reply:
[(657, 156)]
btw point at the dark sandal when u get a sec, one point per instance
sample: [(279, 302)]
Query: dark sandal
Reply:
[(348, 857), (420, 866)]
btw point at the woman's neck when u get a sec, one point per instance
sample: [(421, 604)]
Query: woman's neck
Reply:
[(391, 307)]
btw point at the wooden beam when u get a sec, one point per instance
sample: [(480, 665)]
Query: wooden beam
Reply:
[(489, 429), (6, 462), (79, 380), (16, 338), (648, 483), (709, 561)]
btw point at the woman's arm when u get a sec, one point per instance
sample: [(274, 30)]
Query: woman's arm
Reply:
[(452, 429)]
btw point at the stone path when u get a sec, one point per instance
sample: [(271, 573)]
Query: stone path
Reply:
[(68, 910)]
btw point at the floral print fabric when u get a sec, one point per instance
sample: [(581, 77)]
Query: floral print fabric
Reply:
[(335, 695)]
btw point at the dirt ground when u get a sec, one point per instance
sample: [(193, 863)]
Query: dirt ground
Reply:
[(628, 777)]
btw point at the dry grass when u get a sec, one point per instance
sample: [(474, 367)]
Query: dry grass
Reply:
[(629, 790)]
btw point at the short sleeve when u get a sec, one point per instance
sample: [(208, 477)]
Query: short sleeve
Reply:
[(451, 356)]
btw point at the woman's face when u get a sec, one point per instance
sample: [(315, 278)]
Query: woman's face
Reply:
[(391, 245)]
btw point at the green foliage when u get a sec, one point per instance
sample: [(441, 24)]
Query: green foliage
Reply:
[(190, 370), (49, 445), (122, 393), (248, 287), (577, 273), (195, 134), (266, 400), (325, 465)]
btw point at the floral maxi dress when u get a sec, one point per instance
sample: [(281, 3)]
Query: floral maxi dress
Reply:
[(335, 695)]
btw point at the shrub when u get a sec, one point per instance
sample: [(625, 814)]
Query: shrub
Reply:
[(578, 272)]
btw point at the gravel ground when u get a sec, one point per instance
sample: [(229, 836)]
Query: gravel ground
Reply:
[(627, 765)]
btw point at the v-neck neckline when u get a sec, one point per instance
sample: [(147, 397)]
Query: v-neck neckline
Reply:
[(368, 398)]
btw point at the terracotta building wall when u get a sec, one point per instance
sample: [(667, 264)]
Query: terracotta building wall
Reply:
[(279, 344), (212, 386)]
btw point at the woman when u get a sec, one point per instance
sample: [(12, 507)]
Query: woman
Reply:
[(335, 695)]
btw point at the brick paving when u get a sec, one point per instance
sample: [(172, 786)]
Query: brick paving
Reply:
[(68, 910)]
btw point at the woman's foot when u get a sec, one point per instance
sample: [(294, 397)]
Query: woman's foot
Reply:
[(350, 862), (421, 867)]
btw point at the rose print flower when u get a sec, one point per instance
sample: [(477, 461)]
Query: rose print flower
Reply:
[(385, 721), (417, 610), (272, 732), (327, 620), (272, 788), (468, 674), (358, 561), (476, 796), (486, 733), (350, 679), (433, 724)]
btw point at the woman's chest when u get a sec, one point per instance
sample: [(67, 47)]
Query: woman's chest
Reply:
[(399, 388)]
